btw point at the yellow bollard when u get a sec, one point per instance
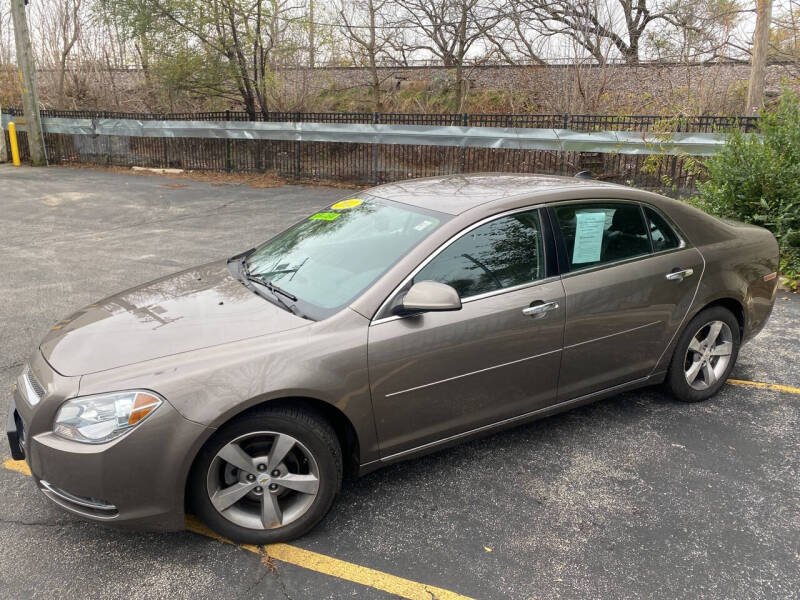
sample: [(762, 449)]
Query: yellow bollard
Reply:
[(12, 136)]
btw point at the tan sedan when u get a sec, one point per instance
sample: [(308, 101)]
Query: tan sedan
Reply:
[(394, 322)]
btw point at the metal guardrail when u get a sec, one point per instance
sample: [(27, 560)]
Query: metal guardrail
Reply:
[(620, 142), (576, 122)]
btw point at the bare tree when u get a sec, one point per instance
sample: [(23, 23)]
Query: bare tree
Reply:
[(513, 38), (180, 55), (366, 27), (696, 31), (593, 23), (58, 24), (785, 35), (6, 36), (207, 46), (449, 29)]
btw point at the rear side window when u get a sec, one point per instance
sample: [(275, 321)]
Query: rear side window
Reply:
[(663, 236), (500, 254), (599, 233)]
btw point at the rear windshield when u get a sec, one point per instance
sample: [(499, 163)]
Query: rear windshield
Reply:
[(332, 256)]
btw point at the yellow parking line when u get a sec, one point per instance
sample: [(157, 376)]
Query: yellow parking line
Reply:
[(20, 466), (313, 561), (765, 386)]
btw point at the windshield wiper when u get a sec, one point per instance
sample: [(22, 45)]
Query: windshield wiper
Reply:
[(270, 286), (275, 291), (258, 278)]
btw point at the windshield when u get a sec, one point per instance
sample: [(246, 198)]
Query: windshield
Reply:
[(329, 258)]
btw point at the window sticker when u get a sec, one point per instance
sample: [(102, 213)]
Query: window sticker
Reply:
[(324, 216), (351, 203), (589, 229), (424, 225)]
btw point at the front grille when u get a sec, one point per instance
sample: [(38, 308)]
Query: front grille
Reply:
[(33, 389)]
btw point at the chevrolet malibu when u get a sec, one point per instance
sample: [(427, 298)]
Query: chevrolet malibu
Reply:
[(390, 324)]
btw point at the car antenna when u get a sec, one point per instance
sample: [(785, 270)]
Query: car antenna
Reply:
[(584, 175)]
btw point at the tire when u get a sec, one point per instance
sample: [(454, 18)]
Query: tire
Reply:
[(272, 499), (707, 363)]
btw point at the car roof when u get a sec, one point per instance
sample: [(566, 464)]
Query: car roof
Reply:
[(455, 194)]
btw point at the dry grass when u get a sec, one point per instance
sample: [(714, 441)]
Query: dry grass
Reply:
[(254, 180)]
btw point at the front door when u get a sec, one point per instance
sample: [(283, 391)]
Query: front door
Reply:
[(440, 374), (630, 283)]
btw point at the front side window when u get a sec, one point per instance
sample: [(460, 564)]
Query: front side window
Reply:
[(600, 233), (331, 257), (502, 253)]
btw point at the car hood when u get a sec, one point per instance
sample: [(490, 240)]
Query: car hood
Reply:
[(197, 308)]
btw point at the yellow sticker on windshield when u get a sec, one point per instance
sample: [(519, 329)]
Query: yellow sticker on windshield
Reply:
[(351, 203)]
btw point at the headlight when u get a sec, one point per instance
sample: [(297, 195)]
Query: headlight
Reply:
[(103, 417)]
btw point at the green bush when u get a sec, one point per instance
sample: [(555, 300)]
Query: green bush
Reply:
[(756, 179)]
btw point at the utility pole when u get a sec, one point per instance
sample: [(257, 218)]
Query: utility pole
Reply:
[(27, 75), (758, 63)]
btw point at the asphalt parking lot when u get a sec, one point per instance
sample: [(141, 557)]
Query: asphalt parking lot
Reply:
[(637, 496)]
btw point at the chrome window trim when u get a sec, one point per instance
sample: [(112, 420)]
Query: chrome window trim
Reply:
[(512, 288), (620, 262), (452, 240)]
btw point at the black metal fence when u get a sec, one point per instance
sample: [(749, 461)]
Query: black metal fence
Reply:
[(368, 163)]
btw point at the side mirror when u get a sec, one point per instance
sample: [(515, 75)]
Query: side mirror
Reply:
[(426, 296)]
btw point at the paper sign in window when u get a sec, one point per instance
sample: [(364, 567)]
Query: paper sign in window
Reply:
[(589, 230)]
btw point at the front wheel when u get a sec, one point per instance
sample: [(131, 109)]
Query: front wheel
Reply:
[(267, 477), (705, 355)]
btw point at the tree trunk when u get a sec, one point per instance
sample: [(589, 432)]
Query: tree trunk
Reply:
[(631, 53), (376, 85), (758, 64), (311, 31), (373, 65), (62, 72), (459, 85), (462, 52)]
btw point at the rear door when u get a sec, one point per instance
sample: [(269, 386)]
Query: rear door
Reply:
[(440, 374), (629, 280)]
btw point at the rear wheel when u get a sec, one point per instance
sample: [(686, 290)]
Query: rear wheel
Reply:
[(267, 477), (704, 355)]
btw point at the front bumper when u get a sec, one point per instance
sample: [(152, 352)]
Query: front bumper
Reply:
[(136, 480)]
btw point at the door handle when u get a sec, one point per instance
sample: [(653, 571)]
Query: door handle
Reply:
[(679, 274), (539, 309)]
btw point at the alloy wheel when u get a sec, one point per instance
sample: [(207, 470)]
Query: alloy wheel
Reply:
[(263, 480), (708, 355)]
